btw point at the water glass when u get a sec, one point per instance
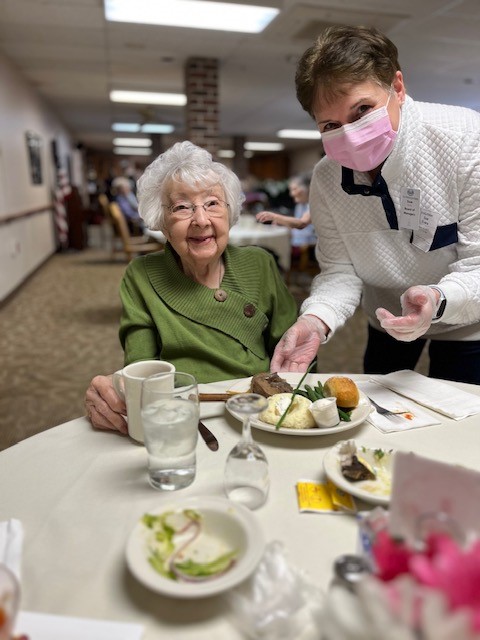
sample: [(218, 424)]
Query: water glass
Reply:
[(170, 412)]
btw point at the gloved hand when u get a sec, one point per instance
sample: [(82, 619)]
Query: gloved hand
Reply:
[(299, 345), (418, 308)]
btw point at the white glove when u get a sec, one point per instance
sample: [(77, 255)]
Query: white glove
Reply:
[(299, 345), (419, 304)]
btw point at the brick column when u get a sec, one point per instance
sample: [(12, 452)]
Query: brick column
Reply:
[(202, 117)]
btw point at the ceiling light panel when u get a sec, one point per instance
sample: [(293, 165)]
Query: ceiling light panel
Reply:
[(126, 127), (148, 97), (132, 142), (193, 14), (157, 128), (299, 134), (132, 151), (264, 146)]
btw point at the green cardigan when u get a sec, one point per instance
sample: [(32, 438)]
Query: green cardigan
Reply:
[(168, 316)]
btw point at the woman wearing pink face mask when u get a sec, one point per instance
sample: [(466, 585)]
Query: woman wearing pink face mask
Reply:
[(396, 206)]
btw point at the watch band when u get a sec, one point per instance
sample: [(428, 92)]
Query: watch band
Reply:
[(441, 304)]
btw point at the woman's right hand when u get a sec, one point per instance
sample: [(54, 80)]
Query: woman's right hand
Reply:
[(266, 216), (105, 409), (299, 345)]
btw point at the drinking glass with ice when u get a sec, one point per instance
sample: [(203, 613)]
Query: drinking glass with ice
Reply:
[(170, 412)]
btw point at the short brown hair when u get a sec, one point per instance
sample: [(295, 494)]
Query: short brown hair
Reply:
[(343, 56)]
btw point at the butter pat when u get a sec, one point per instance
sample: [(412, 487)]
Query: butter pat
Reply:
[(325, 412)]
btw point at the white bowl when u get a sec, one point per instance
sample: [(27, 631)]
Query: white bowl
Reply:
[(230, 523)]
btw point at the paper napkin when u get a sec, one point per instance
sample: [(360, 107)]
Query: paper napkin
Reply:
[(411, 418), (11, 541), (42, 626), (434, 394)]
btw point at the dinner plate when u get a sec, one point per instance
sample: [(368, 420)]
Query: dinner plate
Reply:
[(358, 415), (226, 525), (376, 491)]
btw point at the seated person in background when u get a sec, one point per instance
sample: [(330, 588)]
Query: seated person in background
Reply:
[(213, 310), (127, 202), (301, 225)]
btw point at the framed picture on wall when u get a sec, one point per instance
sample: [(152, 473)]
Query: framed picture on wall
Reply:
[(34, 148)]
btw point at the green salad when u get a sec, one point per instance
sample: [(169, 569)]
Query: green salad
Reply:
[(177, 550)]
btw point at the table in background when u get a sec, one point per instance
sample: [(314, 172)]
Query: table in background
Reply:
[(79, 493), (247, 232)]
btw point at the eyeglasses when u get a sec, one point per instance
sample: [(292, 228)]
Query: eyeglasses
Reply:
[(213, 208)]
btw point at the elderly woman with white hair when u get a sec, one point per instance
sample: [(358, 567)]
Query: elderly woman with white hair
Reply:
[(213, 310)]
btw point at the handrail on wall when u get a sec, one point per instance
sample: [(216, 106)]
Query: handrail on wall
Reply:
[(13, 217)]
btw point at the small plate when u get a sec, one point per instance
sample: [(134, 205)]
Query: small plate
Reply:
[(233, 525), (376, 491), (358, 415)]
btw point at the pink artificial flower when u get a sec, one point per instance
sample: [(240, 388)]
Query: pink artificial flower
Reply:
[(452, 570), (392, 557)]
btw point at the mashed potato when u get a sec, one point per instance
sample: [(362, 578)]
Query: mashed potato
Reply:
[(298, 416)]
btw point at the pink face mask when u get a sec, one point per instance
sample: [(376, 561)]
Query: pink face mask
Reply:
[(362, 145)]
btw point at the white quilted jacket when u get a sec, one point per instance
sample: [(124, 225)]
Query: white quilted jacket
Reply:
[(437, 150)]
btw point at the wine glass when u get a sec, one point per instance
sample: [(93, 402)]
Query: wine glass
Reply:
[(246, 478)]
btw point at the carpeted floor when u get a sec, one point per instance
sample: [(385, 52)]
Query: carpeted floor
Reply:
[(58, 330), (61, 328)]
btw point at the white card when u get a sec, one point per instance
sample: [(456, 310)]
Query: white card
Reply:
[(423, 237), (428, 494)]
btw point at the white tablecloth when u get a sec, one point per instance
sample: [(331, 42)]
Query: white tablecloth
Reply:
[(247, 233), (79, 492)]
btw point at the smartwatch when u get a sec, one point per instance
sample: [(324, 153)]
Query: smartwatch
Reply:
[(441, 304)]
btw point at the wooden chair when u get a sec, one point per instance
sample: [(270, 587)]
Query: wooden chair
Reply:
[(130, 245), (104, 204)]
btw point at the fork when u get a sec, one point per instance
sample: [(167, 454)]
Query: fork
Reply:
[(385, 412)]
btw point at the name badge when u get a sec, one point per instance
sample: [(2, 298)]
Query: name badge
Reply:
[(423, 236), (409, 217)]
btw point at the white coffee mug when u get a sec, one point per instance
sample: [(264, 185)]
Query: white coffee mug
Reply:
[(127, 382)]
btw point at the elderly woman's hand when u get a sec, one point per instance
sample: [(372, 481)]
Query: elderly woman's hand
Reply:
[(299, 345), (105, 409), (266, 216), (418, 308)]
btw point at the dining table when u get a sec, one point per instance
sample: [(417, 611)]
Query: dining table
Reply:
[(247, 232), (79, 492)]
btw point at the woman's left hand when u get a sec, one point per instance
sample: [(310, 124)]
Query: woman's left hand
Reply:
[(418, 308)]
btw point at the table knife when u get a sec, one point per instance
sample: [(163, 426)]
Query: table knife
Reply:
[(207, 435)]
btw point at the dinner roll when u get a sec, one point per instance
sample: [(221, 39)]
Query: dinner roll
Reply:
[(344, 390)]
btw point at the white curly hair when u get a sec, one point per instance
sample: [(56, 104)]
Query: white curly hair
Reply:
[(192, 165)]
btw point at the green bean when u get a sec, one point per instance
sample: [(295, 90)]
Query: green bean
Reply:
[(302, 392), (344, 415), (319, 390), (311, 393)]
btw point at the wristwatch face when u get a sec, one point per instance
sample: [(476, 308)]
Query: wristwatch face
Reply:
[(442, 303)]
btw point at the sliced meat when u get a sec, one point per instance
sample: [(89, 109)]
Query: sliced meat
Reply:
[(268, 384), (357, 471)]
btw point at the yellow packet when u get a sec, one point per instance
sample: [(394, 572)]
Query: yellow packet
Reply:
[(341, 500), (323, 497)]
